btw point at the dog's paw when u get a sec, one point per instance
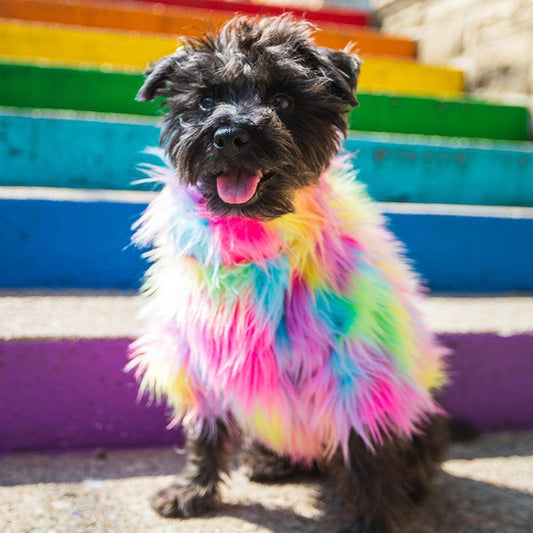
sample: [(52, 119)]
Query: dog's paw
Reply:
[(182, 501)]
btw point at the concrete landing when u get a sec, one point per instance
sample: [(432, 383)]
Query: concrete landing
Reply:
[(39, 314), (486, 486)]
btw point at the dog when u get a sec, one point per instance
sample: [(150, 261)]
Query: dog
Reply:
[(279, 310)]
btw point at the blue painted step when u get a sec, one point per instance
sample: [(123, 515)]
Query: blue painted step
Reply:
[(59, 152), (80, 239)]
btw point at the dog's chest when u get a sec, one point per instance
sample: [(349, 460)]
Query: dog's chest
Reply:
[(253, 326), (262, 352), (302, 327)]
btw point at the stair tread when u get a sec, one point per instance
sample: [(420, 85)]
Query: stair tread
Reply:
[(96, 315), (65, 194)]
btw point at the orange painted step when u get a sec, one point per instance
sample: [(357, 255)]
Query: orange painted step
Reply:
[(164, 19)]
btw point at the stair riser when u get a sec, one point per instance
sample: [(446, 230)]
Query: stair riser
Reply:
[(352, 16), (407, 170), (90, 154), (140, 16), (65, 394), (74, 394), (427, 116), (76, 244), (31, 86)]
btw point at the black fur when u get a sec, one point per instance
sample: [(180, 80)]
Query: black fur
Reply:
[(263, 465), (208, 458), (384, 486), (243, 68), (231, 82)]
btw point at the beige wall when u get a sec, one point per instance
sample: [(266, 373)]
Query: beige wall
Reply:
[(491, 40)]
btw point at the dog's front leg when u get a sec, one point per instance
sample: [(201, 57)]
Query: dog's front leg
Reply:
[(208, 457)]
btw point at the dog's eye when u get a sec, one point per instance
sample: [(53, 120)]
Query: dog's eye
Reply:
[(207, 103), (282, 101)]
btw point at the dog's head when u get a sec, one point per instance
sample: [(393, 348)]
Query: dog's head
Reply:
[(255, 112)]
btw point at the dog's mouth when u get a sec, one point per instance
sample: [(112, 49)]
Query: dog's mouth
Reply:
[(238, 186)]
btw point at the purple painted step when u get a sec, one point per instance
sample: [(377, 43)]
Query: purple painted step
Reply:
[(491, 380), (71, 393)]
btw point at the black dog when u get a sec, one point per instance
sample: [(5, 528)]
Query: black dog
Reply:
[(255, 114)]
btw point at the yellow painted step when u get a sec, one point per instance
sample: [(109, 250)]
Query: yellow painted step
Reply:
[(387, 75), (74, 46), (192, 20)]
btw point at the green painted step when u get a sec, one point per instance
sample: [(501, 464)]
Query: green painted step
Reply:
[(446, 117), (31, 86)]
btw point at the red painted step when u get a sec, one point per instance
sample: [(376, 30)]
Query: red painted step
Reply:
[(331, 15)]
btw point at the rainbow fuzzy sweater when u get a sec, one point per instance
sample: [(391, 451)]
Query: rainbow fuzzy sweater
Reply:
[(304, 327)]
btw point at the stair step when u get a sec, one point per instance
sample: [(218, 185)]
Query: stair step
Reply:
[(439, 116), (86, 235), (356, 17), (72, 46), (87, 153), (74, 394), (191, 21), (34, 86), (438, 170), (62, 359)]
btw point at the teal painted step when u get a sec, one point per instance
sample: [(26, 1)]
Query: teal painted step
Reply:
[(68, 152), (31, 86), (433, 170), (63, 239)]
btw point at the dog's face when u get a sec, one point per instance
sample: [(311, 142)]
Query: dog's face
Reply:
[(254, 112)]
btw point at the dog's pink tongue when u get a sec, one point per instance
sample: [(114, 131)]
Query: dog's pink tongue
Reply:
[(238, 186)]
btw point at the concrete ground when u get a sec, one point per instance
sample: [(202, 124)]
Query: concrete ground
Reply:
[(89, 314), (486, 486)]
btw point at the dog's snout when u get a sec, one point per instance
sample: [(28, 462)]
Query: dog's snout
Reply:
[(231, 139)]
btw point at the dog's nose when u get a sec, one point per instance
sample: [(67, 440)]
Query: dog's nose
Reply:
[(231, 139)]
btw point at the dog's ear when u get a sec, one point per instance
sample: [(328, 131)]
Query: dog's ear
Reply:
[(342, 68), (157, 75)]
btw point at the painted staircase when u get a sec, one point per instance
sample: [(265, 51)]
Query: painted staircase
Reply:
[(454, 175)]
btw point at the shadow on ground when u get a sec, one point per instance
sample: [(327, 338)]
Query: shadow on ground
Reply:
[(486, 487)]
